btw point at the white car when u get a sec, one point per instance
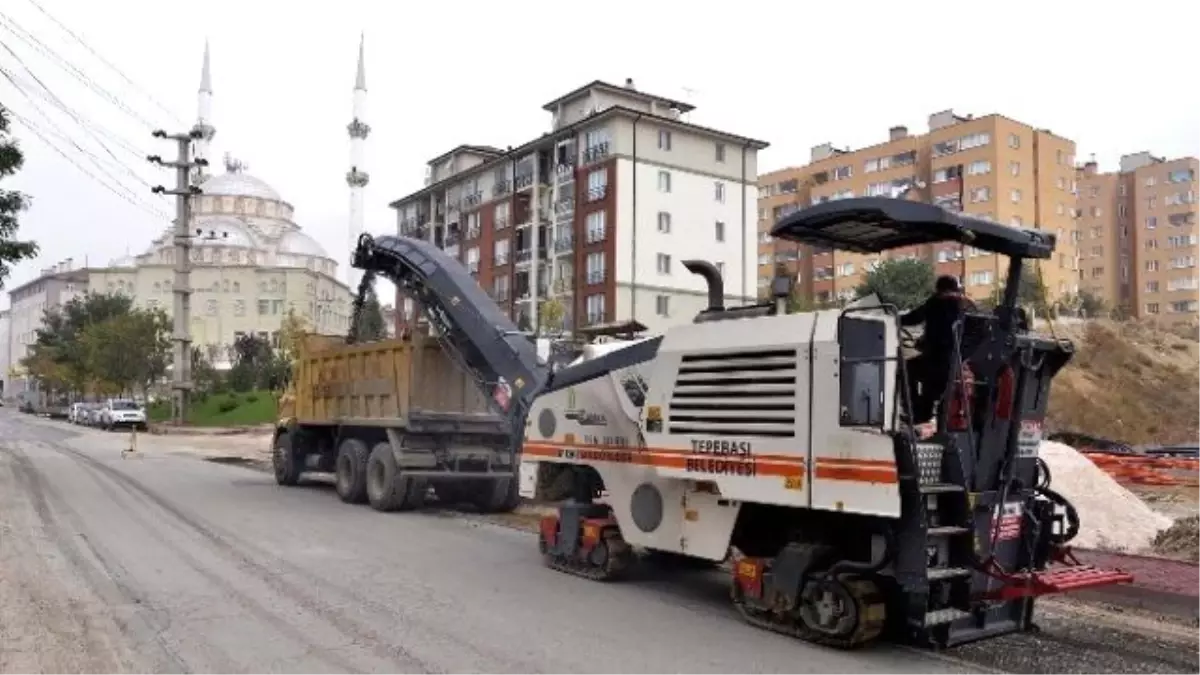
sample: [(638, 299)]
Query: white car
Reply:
[(122, 412)]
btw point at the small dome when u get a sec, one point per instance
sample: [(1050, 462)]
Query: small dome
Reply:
[(222, 231), (296, 242), (239, 185)]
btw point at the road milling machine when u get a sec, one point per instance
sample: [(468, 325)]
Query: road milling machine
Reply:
[(779, 443)]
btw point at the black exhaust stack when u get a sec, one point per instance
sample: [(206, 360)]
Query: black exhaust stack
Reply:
[(712, 277)]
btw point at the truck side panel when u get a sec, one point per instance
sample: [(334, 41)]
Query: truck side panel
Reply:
[(384, 380)]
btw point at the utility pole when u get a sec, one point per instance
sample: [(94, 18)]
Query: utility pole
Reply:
[(182, 288)]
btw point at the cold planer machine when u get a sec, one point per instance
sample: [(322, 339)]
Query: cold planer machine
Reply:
[(780, 438)]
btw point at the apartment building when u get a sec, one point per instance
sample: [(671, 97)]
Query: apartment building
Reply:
[(991, 166), (599, 212), (55, 286), (1140, 244)]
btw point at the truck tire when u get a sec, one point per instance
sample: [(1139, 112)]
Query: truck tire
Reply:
[(499, 496), (350, 471), (283, 460), (388, 489)]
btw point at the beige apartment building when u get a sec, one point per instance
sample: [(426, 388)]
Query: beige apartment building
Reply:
[(1140, 244), (991, 166)]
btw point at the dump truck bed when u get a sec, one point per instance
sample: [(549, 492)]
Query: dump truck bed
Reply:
[(395, 383)]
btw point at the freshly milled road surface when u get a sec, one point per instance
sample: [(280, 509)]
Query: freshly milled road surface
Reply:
[(170, 564)]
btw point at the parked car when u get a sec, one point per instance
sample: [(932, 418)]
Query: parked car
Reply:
[(122, 412), (77, 412), (93, 415)]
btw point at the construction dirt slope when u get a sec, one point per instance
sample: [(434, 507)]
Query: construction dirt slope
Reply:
[(1128, 382)]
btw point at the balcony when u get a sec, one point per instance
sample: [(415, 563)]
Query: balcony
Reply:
[(594, 318), (564, 206), (472, 199), (595, 236), (595, 276), (523, 181), (499, 294), (595, 153), (597, 193), (473, 266), (500, 258), (473, 232), (452, 238), (565, 172), (564, 244), (565, 284), (524, 255), (502, 188), (422, 233), (501, 222)]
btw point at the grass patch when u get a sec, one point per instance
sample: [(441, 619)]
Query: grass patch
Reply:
[(224, 410)]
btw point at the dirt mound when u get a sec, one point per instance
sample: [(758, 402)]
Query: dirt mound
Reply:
[(1130, 382), (1181, 540)]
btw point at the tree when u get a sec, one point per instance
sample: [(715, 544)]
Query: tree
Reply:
[(11, 203), (126, 350), (550, 315), (905, 283), (1091, 305), (57, 357), (1031, 291), (252, 363), (292, 330), (371, 325)]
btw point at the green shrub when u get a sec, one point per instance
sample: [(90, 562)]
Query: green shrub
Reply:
[(228, 405)]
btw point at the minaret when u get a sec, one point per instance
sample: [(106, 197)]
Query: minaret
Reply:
[(204, 120), (356, 178)]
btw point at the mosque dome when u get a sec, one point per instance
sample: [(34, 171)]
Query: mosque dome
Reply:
[(239, 184), (222, 231), (296, 242)]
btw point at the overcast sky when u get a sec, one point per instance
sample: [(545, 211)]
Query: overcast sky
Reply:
[(1115, 79)]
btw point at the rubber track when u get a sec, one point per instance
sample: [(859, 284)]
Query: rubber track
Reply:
[(620, 557), (864, 633)]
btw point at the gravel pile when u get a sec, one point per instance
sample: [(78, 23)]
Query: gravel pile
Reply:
[(1111, 517), (1181, 540)]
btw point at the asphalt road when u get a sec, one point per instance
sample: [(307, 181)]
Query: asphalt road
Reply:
[(171, 564)]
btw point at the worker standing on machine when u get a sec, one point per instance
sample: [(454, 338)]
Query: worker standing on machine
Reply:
[(929, 371)]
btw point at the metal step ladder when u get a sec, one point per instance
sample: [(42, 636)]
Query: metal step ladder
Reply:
[(948, 532)]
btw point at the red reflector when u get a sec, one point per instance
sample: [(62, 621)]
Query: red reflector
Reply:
[(960, 402)]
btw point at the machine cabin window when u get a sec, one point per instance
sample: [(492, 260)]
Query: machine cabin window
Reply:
[(863, 360)]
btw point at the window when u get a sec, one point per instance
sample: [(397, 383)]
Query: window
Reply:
[(500, 287), (1181, 176), (264, 307), (1122, 210), (843, 172), (980, 278), (664, 222), (664, 263), (1014, 142), (594, 304), (1015, 196), (473, 259), (1150, 181), (1017, 222), (664, 181), (1151, 286), (595, 268), (662, 305), (597, 184), (719, 191), (719, 231), (1014, 168), (1061, 183), (1151, 265), (981, 194), (596, 227), (1151, 222), (1152, 308), (720, 150), (664, 139), (1151, 202), (978, 168), (879, 164), (1060, 209), (239, 308), (500, 214), (1097, 211), (500, 252)]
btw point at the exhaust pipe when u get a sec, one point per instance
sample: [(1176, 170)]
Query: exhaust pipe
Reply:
[(716, 286)]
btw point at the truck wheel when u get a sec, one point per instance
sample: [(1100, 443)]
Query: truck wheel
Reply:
[(499, 496), (283, 460), (350, 472), (388, 489)]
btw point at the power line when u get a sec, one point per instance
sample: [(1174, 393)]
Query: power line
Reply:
[(38, 132), (106, 62), (25, 85), (70, 112), (11, 25), (61, 134)]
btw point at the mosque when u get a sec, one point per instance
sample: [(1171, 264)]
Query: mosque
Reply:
[(251, 262)]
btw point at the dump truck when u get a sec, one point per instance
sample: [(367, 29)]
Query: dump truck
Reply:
[(395, 420)]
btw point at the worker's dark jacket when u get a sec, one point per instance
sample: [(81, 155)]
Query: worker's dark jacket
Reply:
[(938, 313)]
